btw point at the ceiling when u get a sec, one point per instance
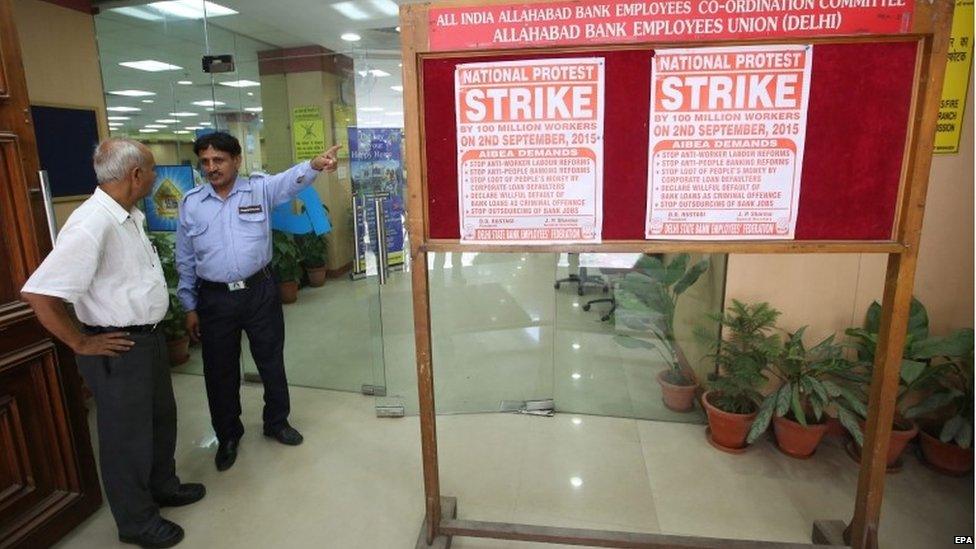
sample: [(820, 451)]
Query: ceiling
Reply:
[(259, 25)]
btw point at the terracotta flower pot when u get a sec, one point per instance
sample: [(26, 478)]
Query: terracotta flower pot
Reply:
[(677, 398), (948, 458), (316, 276), (728, 429), (896, 444), (179, 350), (835, 428), (289, 291), (795, 440)]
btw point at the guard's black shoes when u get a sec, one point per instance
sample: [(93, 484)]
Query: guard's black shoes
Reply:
[(285, 435), (185, 495), (164, 534), (226, 454)]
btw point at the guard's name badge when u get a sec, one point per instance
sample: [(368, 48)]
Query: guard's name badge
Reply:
[(250, 209)]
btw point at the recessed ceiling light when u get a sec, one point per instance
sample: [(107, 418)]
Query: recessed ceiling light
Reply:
[(370, 109), (351, 37), (123, 109), (148, 101), (193, 128), (148, 131), (400, 65), (206, 124), (160, 126), (181, 132), (350, 11), (209, 103), (168, 121), (185, 82), (132, 93), (150, 65), (120, 118), (116, 124), (397, 88), (240, 83), (182, 114), (388, 7), (254, 109), (138, 13), (398, 28), (191, 9), (209, 109), (250, 94)]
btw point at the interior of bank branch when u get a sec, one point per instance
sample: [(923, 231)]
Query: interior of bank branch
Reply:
[(554, 372)]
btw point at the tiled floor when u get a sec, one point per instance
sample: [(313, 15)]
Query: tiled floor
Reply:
[(356, 482)]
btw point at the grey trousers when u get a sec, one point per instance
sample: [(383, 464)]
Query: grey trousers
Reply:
[(136, 429)]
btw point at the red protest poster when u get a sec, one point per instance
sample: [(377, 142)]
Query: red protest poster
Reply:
[(727, 134)]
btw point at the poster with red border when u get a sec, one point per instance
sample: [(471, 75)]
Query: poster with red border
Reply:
[(727, 133), (530, 150)]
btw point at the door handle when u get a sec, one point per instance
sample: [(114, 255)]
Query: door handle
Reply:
[(45, 191), (383, 262), (357, 250)]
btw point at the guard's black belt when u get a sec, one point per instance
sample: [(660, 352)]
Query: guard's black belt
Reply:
[(137, 329), (262, 274)]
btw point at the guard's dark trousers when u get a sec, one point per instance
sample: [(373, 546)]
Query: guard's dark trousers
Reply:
[(136, 429), (223, 315)]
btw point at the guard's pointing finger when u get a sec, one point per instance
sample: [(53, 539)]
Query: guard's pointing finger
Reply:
[(332, 150)]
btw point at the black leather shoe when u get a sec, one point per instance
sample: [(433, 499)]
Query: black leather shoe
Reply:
[(165, 534), (226, 454), (286, 435), (185, 495)]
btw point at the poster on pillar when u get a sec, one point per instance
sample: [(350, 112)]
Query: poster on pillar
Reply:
[(308, 132), (727, 133), (530, 150), (376, 165)]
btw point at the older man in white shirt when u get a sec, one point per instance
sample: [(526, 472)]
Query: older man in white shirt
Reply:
[(104, 264)]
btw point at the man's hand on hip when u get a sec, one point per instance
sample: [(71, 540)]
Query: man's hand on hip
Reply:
[(326, 161), (193, 326), (111, 344)]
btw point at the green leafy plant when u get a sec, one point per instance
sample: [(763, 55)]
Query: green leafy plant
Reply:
[(174, 322), (925, 358), (652, 291), (811, 380), (742, 355), (285, 257), (312, 250), (953, 392)]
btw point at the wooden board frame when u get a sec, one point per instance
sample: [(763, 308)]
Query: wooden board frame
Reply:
[(930, 30)]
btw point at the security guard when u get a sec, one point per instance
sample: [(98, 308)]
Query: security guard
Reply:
[(223, 248)]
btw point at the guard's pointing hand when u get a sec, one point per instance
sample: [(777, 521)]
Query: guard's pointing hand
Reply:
[(327, 161)]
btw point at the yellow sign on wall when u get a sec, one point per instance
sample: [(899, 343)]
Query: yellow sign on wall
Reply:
[(954, 88), (307, 132)]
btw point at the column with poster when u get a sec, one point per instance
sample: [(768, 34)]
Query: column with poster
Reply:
[(530, 150), (376, 166), (727, 134)]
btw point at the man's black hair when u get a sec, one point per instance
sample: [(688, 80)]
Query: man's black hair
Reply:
[(220, 141)]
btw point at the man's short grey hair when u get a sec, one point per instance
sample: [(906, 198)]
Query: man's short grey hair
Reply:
[(114, 158)]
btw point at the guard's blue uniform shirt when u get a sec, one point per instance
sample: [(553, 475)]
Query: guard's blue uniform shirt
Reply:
[(229, 239)]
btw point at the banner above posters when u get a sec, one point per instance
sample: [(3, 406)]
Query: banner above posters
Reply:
[(727, 134), (163, 203), (308, 132), (530, 150), (959, 62), (614, 22)]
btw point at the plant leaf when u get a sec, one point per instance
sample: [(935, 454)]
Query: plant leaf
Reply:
[(850, 423), (632, 342), (958, 343), (951, 428), (675, 269), (763, 418), (690, 277), (797, 406), (964, 438), (783, 399), (910, 370), (932, 403)]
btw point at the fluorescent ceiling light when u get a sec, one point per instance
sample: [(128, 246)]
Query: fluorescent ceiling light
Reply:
[(148, 131), (132, 93), (350, 11), (397, 88), (116, 124), (254, 109), (120, 118), (148, 101), (351, 37), (150, 65), (370, 109), (206, 124), (193, 128), (209, 103), (240, 83), (375, 72), (138, 13), (398, 28), (388, 7), (181, 132), (123, 109), (182, 114), (185, 82), (250, 94), (167, 121), (160, 126), (191, 9)]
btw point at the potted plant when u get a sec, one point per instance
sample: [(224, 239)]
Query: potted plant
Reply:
[(651, 291), (285, 264), (925, 358), (811, 380), (732, 400), (174, 322), (312, 248)]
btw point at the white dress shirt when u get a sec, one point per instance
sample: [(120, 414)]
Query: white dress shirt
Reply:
[(104, 265)]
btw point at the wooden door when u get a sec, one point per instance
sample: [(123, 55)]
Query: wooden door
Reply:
[(48, 482)]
